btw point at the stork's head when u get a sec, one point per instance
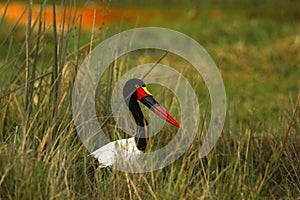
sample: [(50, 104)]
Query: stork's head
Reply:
[(136, 90)]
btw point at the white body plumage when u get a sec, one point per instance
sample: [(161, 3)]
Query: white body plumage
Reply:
[(123, 149)]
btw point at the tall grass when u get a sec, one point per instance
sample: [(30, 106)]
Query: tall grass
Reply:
[(41, 156)]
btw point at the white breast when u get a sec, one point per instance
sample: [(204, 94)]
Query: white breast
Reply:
[(122, 149)]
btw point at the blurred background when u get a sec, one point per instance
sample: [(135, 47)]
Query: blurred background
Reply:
[(254, 44)]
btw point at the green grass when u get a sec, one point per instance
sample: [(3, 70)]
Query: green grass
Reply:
[(257, 156)]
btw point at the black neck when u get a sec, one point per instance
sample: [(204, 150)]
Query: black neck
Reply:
[(137, 113), (141, 123)]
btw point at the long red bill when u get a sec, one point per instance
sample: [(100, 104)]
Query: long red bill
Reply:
[(160, 111), (147, 99)]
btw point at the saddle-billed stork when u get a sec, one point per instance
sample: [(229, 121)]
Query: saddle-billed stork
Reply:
[(134, 90)]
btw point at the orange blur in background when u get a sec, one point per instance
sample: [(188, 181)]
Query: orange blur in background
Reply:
[(88, 15)]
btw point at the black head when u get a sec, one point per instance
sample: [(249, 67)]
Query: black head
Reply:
[(135, 90), (130, 89)]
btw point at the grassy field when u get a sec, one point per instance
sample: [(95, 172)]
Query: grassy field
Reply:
[(257, 50)]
